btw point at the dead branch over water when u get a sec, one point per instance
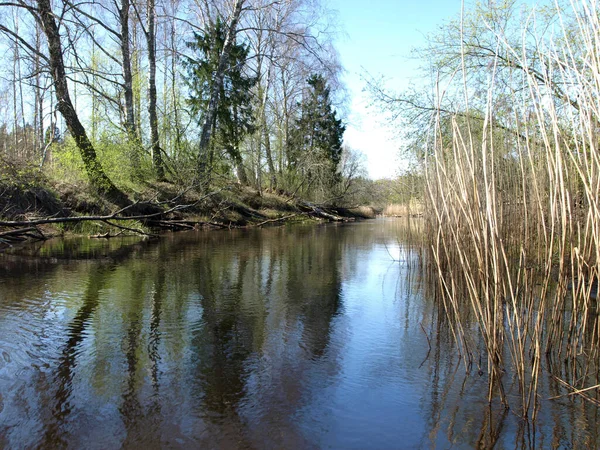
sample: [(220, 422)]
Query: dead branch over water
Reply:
[(160, 219)]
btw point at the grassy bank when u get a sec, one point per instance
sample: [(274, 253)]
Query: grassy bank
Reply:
[(26, 195)]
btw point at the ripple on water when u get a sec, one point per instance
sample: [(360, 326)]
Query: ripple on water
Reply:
[(282, 339)]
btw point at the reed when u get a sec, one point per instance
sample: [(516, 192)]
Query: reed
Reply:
[(411, 208), (514, 218), (367, 212)]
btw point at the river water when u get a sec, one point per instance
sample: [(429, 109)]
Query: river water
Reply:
[(313, 336)]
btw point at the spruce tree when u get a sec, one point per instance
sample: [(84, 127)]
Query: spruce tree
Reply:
[(234, 118), (318, 134)]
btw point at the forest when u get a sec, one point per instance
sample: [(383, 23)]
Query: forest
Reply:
[(116, 97)]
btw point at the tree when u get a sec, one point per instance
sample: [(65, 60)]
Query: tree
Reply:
[(495, 50), (289, 41), (215, 90), (233, 114), (250, 98), (124, 38), (318, 135), (95, 171), (150, 34)]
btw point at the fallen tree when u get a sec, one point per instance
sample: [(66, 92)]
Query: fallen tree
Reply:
[(10, 237), (164, 219)]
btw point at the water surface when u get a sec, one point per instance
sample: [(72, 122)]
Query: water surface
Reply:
[(296, 337)]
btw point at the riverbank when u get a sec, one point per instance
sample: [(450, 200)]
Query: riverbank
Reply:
[(34, 208)]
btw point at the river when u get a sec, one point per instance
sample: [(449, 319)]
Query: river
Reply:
[(309, 336)]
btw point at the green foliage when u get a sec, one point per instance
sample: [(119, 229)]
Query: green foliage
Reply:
[(316, 139), (66, 162), (21, 175), (114, 153), (234, 118), (318, 131)]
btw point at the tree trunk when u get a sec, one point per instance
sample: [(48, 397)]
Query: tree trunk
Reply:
[(241, 172), (96, 174), (209, 119), (266, 135), (286, 125), (23, 145), (38, 97), (15, 117), (136, 69), (238, 160), (155, 144), (130, 126), (126, 67), (175, 91)]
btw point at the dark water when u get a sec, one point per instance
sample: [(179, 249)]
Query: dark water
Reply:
[(296, 337)]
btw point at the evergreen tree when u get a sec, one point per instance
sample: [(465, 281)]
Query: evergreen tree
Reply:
[(234, 118), (318, 134)]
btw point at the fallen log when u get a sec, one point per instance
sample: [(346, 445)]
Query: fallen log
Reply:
[(189, 224), (18, 232), (20, 235), (278, 219), (321, 212), (73, 219)]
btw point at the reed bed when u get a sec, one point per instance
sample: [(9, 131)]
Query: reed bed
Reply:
[(410, 209), (514, 218), (368, 212)]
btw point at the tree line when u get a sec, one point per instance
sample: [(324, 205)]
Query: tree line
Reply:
[(182, 90)]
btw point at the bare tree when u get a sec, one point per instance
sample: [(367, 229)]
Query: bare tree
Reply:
[(150, 34), (124, 38), (95, 171)]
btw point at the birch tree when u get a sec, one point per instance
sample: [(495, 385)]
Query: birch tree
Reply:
[(98, 178), (217, 84), (150, 34)]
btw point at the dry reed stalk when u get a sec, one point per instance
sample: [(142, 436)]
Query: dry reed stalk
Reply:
[(506, 244), (410, 209)]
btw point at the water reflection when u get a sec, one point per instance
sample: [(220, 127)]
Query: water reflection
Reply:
[(305, 337), (77, 331)]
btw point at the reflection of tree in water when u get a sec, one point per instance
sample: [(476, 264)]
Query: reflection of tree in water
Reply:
[(313, 285), (140, 422), (225, 340), (258, 345), (77, 332), (131, 409), (240, 282), (302, 290), (154, 340), (238, 291)]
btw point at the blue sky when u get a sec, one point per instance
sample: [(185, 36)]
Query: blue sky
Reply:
[(379, 36)]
